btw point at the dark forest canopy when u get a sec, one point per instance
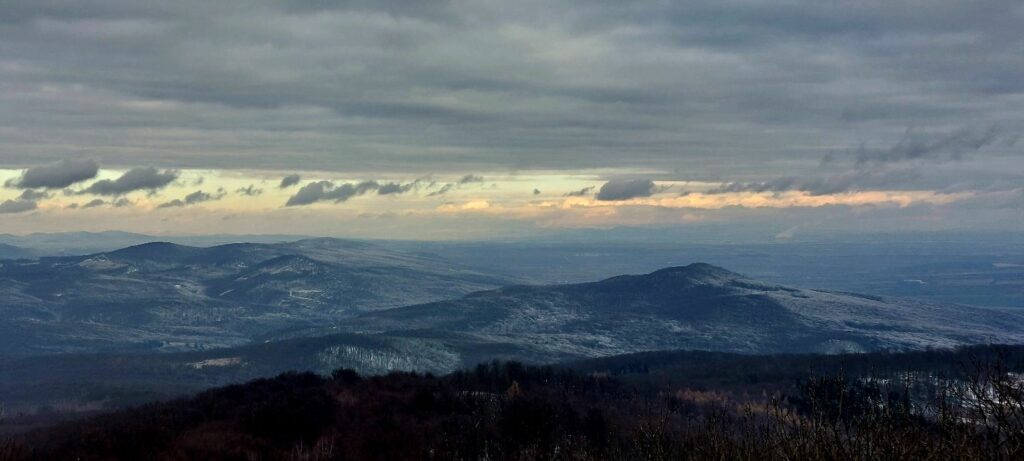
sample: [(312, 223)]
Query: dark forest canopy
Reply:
[(663, 405)]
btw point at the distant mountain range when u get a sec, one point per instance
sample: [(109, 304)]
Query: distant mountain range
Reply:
[(167, 297), (81, 243), (975, 269), (164, 297), (258, 310)]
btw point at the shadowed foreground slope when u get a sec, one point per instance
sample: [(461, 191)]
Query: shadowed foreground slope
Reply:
[(510, 411)]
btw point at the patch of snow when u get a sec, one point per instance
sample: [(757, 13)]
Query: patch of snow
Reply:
[(221, 362)]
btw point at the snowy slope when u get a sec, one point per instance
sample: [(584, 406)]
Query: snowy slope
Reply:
[(700, 307)]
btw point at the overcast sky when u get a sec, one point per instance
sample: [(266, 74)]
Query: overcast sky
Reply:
[(464, 117)]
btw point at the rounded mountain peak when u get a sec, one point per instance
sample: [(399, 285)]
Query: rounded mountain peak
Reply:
[(698, 271), (159, 251)]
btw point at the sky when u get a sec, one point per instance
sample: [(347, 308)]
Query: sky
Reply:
[(496, 119)]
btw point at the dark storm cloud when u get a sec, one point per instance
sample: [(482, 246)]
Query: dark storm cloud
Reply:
[(580, 193), (326, 191), (289, 181), (56, 175), (147, 178), (626, 189), (194, 198), (17, 206)]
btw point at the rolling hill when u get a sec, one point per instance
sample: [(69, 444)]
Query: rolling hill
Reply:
[(695, 307), (698, 306), (167, 297)]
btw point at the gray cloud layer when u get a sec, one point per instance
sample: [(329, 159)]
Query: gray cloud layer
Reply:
[(752, 94), (57, 175), (915, 146), (901, 166), (721, 89), (146, 178)]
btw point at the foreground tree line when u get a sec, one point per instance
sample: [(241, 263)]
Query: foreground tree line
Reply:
[(508, 411)]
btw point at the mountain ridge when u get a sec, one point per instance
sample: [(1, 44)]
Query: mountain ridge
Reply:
[(165, 296), (694, 307), (702, 306)]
